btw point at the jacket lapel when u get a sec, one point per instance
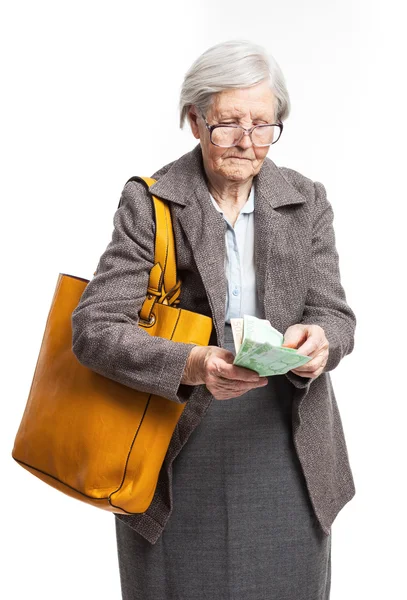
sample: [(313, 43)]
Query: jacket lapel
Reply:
[(184, 184), (205, 229), (280, 242)]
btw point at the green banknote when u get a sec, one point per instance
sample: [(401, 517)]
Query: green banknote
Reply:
[(258, 347)]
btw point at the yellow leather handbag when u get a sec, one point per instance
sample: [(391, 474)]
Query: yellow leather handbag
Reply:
[(91, 437)]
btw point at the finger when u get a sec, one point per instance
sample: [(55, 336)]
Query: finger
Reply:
[(234, 372), (312, 375), (303, 372), (227, 356), (311, 345), (228, 395), (294, 336), (311, 366), (237, 386), (228, 389), (220, 355), (299, 371)]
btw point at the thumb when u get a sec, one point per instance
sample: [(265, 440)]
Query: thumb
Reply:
[(217, 353), (226, 355), (295, 336)]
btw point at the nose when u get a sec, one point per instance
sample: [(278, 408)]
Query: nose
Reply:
[(246, 141)]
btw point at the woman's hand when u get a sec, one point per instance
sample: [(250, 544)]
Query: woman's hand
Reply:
[(311, 341), (213, 366)]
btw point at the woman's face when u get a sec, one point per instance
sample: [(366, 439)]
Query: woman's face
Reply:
[(245, 107)]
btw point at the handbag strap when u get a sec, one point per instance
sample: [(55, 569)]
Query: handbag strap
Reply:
[(163, 286)]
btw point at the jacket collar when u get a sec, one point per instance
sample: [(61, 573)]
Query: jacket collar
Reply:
[(187, 175)]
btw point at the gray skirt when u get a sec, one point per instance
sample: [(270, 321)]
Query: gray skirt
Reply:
[(242, 526)]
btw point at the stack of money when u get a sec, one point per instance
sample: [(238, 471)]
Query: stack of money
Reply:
[(258, 347)]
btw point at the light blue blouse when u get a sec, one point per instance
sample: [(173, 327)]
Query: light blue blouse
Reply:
[(241, 296)]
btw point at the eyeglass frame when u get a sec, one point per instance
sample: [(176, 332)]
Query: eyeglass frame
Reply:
[(248, 132)]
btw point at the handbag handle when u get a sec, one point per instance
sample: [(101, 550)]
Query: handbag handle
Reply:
[(163, 286)]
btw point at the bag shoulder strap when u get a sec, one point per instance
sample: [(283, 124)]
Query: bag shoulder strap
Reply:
[(163, 286)]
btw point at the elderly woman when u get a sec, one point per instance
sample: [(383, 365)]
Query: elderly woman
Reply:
[(257, 468)]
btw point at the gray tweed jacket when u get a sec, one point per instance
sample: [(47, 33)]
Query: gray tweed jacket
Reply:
[(298, 281)]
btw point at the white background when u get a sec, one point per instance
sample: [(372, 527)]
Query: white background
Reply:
[(89, 98)]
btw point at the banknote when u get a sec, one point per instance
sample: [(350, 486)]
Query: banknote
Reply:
[(258, 347)]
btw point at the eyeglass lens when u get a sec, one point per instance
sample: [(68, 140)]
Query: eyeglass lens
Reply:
[(230, 136)]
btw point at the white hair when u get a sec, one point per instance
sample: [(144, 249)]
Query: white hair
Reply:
[(232, 64)]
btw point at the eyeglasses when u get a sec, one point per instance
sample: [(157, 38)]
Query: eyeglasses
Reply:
[(227, 136)]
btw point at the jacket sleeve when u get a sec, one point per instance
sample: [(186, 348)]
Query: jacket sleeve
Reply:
[(105, 333), (326, 303)]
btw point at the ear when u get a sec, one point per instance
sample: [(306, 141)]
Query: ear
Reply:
[(193, 121)]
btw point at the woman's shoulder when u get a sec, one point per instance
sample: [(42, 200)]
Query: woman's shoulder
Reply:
[(302, 183), (163, 170), (306, 186), (135, 201), (314, 191), (188, 163), (133, 186), (294, 176)]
